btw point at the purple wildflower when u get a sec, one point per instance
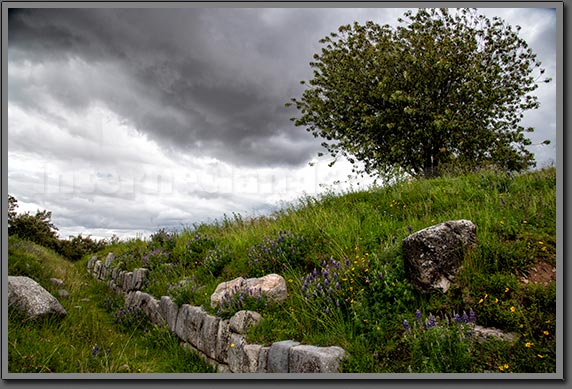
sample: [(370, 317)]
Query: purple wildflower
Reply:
[(457, 318), (465, 317), (94, 351), (472, 316), (418, 315), (430, 322), (406, 325)]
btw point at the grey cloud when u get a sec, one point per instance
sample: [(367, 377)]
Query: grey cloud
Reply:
[(198, 80)]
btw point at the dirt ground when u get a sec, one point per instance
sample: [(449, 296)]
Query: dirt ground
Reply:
[(542, 272)]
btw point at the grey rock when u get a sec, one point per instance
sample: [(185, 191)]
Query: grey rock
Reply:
[(223, 341), (56, 282), (485, 332), (153, 311), (181, 328), (31, 299), (236, 353), (195, 322), (222, 368), (91, 264), (278, 356), (169, 310), (115, 274), (208, 335), (63, 293), (313, 359), (120, 278), (434, 255), (97, 267), (250, 358), (139, 278), (242, 321), (263, 360), (127, 284), (109, 260)]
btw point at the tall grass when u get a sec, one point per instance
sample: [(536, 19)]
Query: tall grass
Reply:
[(358, 236)]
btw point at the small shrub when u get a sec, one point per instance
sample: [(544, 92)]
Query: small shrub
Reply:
[(286, 251), (132, 318)]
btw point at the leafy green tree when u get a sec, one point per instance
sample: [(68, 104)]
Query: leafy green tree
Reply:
[(442, 88), (12, 205), (37, 228)]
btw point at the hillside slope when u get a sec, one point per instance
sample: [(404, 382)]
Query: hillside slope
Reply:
[(508, 281)]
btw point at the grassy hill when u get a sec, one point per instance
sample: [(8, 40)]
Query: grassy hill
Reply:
[(508, 282)]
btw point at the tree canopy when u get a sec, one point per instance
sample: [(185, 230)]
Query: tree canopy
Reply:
[(443, 88)]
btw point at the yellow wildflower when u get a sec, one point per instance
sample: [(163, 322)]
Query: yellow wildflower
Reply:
[(546, 333), (506, 289), (513, 309), (528, 344)]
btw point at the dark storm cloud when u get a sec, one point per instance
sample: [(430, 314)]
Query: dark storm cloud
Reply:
[(207, 81)]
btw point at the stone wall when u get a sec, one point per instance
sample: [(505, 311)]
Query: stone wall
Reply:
[(221, 342)]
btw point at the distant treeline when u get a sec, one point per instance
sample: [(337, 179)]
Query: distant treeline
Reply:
[(39, 229)]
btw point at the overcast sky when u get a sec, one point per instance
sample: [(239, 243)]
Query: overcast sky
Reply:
[(124, 121)]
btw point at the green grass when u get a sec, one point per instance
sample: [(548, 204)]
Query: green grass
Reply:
[(67, 346), (358, 236)]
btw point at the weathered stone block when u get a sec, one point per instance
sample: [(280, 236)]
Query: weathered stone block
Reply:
[(236, 353), (313, 359), (209, 335), (195, 321), (97, 269), (250, 358), (242, 321), (223, 341), (127, 282), (139, 278), (91, 264), (278, 356), (263, 360), (120, 278), (182, 328), (109, 260), (169, 310)]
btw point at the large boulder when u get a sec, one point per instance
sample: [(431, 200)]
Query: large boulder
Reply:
[(434, 255), (32, 300), (272, 286)]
